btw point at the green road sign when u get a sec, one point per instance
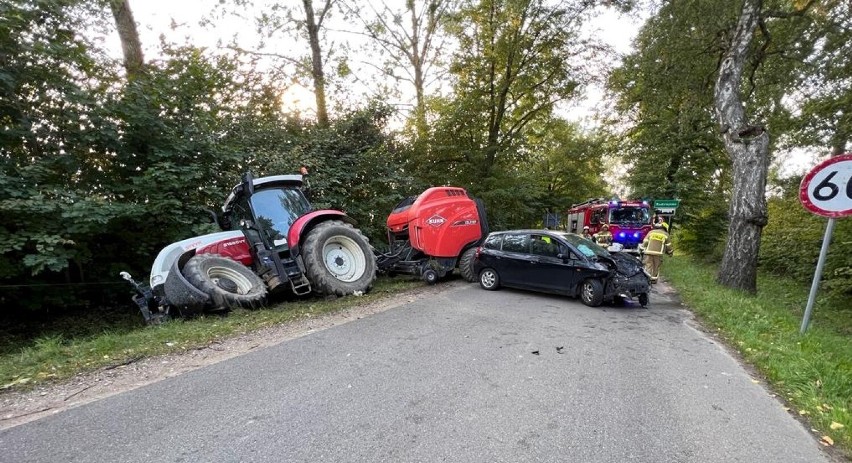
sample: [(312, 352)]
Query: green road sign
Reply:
[(666, 204)]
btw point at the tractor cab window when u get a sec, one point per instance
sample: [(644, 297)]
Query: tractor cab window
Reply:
[(630, 215), (276, 210)]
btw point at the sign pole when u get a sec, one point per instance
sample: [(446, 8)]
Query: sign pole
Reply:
[(829, 230)]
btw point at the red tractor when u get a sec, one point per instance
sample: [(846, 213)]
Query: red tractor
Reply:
[(274, 243)]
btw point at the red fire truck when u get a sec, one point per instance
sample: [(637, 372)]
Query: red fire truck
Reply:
[(629, 221)]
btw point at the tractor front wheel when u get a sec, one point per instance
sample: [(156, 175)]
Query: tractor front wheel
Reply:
[(228, 283), (338, 259)]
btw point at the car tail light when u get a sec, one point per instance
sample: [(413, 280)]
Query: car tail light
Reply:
[(478, 251)]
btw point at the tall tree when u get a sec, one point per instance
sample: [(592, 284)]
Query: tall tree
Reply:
[(131, 46), (313, 25), (412, 45), (512, 66), (663, 120), (747, 143), (748, 147)]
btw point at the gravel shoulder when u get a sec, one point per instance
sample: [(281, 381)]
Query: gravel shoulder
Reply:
[(21, 407)]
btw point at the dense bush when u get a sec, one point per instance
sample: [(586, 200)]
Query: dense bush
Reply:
[(791, 244)]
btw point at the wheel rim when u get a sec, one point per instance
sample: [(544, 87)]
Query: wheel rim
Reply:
[(488, 279), (229, 278), (588, 291), (344, 259)]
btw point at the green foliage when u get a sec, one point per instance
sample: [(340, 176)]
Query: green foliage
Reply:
[(497, 135), (705, 231), (665, 93), (791, 244), (826, 89), (353, 165), (97, 173)]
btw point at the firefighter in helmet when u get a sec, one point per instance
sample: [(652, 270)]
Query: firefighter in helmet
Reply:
[(603, 237), (586, 233), (656, 243)]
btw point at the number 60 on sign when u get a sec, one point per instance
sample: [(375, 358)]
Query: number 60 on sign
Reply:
[(827, 189)]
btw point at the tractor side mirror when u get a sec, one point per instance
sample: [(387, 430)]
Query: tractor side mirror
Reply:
[(215, 218)]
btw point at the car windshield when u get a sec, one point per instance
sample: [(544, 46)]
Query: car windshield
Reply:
[(629, 214), (586, 247)]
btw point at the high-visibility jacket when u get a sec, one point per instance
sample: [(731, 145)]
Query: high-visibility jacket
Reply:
[(657, 242), (604, 238)]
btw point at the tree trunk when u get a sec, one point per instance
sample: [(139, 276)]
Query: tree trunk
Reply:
[(748, 147), (417, 64), (316, 63), (131, 46)]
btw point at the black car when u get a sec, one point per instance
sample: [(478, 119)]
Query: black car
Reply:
[(560, 263)]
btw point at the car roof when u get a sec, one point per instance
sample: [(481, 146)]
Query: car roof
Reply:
[(531, 230)]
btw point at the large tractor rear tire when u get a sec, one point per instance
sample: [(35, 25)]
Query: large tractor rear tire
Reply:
[(338, 259), (229, 283), (466, 265), (183, 297)]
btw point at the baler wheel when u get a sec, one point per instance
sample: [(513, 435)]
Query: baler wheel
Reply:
[(228, 283), (466, 265), (338, 259), (430, 277)]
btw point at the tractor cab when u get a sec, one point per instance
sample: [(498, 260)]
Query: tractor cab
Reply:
[(265, 209)]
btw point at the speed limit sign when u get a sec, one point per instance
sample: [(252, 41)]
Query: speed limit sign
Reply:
[(827, 189)]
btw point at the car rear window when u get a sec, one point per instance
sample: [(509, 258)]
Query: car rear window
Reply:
[(493, 242), (514, 242)]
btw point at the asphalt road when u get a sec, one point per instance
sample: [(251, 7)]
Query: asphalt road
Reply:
[(465, 376)]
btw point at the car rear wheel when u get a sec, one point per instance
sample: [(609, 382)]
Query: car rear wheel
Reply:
[(591, 292), (489, 279)]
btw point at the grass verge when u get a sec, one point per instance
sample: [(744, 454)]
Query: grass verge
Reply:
[(812, 372), (68, 347)]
